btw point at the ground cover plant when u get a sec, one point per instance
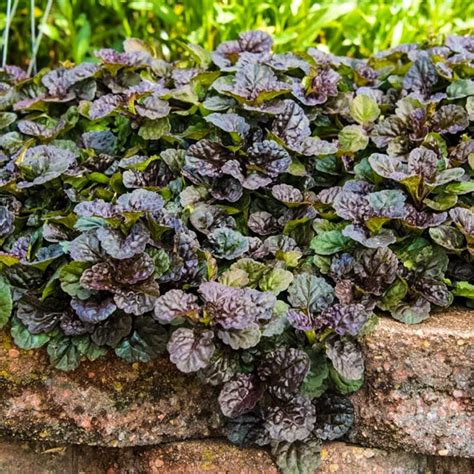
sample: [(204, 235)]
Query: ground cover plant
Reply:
[(249, 214)]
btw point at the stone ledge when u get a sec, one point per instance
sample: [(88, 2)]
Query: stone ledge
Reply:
[(104, 403), (418, 391), (416, 395), (210, 457)]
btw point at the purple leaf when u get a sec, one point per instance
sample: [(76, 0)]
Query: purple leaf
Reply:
[(123, 247), (93, 311), (239, 396), (291, 422), (190, 351), (175, 304)]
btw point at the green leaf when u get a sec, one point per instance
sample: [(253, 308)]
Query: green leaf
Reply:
[(394, 295), (297, 168), (6, 119), (133, 349), (363, 170), (464, 187), (255, 270), (140, 163), (51, 286), (278, 323), (435, 141), (369, 326), (448, 237), (240, 338), (441, 202), (450, 174), (6, 302), (63, 354), (24, 339), (235, 278), (89, 223), (310, 292), (322, 225), (470, 112), (47, 255), (322, 263), (353, 138), (464, 289), (295, 227), (9, 260), (329, 164), (154, 129), (412, 184), (364, 109), (291, 258), (343, 385), (147, 341), (199, 54), (161, 261), (69, 277), (276, 280), (184, 94), (228, 243), (412, 313), (330, 242), (88, 348), (314, 385), (460, 89)]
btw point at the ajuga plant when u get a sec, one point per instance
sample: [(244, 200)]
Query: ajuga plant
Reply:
[(244, 212)]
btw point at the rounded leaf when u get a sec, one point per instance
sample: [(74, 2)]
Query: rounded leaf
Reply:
[(334, 417), (346, 358), (239, 396), (364, 109), (292, 421), (284, 370), (175, 304), (190, 351)]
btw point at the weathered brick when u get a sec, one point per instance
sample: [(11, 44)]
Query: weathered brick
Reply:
[(418, 391), (216, 457), (35, 458), (416, 395), (210, 457), (106, 403)]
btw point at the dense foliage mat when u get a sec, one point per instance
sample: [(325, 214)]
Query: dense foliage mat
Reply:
[(247, 215)]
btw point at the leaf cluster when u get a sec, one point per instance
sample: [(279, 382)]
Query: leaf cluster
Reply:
[(247, 214)]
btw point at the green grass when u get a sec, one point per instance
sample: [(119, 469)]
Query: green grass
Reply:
[(75, 28)]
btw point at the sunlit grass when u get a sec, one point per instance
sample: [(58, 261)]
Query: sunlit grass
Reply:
[(354, 27)]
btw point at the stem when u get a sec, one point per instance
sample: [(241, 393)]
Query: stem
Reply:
[(6, 33), (311, 336), (40, 35), (325, 334), (33, 34)]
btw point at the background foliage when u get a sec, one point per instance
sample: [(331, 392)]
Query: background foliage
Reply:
[(75, 28)]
